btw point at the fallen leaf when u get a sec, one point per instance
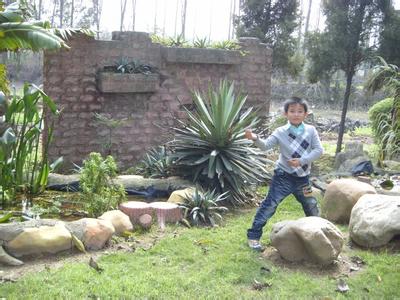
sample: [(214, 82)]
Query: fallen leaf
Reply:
[(265, 269), (357, 260), (379, 278), (342, 286), (258, 286), (354, 268), (78, 243)]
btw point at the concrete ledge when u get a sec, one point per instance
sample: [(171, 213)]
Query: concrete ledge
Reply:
[(108, 82), (201, 56)]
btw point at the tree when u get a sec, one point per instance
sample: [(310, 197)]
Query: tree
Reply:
[(390, 37), (349, 24), (273, 22), (122, 14), (184, 7)]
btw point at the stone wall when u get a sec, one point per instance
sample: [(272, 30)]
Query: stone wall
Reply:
[(75, 79)]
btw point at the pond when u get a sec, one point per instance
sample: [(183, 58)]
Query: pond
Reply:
[(65, 206)]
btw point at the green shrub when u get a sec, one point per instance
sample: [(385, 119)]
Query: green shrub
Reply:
[(201, 208), (24, 164), (99, 192), (384, 133), (379, 112), (210, 147)]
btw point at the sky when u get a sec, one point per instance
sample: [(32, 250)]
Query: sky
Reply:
[(204, 17)]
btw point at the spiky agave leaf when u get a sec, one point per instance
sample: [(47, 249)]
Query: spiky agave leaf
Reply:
[(211, 146)]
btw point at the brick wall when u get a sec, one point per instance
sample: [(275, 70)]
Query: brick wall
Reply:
[(73, 78)]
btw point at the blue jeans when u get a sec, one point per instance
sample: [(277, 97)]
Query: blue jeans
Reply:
[(283, 184)]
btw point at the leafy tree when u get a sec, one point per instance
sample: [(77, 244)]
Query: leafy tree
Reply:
[(345, 42), (273, 22), (390, 37)]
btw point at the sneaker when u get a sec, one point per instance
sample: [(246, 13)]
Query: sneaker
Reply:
[(255, 245)]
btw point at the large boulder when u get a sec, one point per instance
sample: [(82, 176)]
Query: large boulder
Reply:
[(179, 196), (43, 239), (375, 220), (311, 239), (352, 155), (118, 219), (94, 233), (340, 197)]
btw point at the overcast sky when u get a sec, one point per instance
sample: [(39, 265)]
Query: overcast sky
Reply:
[(204, 17)]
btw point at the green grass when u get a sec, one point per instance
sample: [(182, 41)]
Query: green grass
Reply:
[(363, 131), (201, 263)]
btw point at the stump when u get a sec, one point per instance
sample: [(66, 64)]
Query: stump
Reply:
[(145, 221), (166, 212), (135, 209)]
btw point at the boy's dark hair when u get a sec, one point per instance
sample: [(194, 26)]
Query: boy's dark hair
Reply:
[(295, 100)]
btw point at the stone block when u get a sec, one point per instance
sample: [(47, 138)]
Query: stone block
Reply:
[(127, 83)]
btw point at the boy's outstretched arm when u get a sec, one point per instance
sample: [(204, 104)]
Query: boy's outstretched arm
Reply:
[(267, 144)]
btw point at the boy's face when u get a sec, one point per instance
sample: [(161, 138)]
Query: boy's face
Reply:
[(295, 114)]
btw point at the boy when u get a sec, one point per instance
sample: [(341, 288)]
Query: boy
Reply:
[(299, 146)]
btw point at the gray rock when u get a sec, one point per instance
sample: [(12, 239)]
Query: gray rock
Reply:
[(375, 220), (311, 239), (340, 197)]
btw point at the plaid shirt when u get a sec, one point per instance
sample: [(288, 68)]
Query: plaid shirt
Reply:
[(306, 146)]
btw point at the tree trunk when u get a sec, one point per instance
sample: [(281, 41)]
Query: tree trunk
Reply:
[(97, 7), (349, 80), (61, 13), (123, 8), (183, 18), (54, 13), (230, 20), (133, 14), (71, 24), (155, 17), (176, 16), (306, 26)]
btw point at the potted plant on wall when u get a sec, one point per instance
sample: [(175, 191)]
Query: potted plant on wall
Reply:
[(128, 76)]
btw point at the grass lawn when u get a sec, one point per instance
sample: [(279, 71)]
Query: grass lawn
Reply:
[(203, 263)]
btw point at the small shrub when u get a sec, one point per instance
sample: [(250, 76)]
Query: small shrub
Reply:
[(379, 112), (99, 192), (201, 208)]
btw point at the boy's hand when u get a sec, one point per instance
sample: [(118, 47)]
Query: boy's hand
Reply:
[(248, 134), (294, 162)]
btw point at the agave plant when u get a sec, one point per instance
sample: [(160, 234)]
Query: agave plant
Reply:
[(210, 147), (201, 42), (156, 163), (201, 208)]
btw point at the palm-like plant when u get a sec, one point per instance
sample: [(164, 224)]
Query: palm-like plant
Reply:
[(202, 208), (388, 76), (16, 32), (211, 148)]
